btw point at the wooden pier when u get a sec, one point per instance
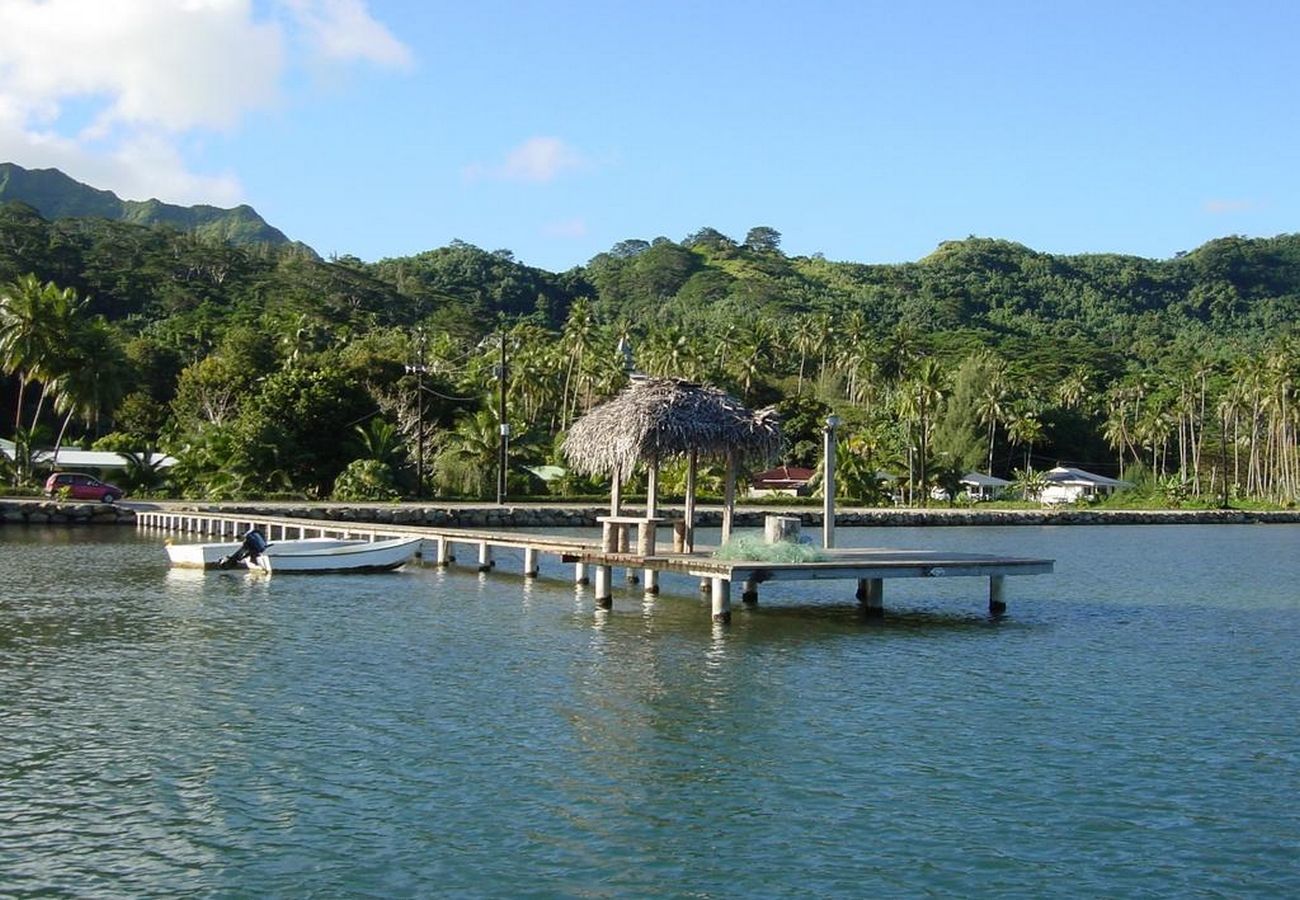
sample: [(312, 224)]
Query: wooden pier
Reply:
[(596, 559)]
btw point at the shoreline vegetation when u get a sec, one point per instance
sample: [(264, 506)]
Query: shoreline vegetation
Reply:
[(544, 515), (269, 373)]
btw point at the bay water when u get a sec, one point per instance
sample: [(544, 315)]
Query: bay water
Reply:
[(1130, 728)]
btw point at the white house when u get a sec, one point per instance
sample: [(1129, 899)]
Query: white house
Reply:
[(978, 486), (82, 459), (1066, 485)]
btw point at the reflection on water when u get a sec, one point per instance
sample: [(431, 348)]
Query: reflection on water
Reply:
[(1127, 729)]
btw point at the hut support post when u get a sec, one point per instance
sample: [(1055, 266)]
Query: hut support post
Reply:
[(997, 594), (652, 489), (729, 499), (871, 594), (721, 600), (616, 494), (688, 543)]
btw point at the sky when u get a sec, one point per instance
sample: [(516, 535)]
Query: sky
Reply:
[(865, 131)]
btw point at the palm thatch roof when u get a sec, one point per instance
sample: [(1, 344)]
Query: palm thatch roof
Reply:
[(655, 419)]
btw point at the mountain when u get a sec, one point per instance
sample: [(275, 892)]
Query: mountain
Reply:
[(55, 196)]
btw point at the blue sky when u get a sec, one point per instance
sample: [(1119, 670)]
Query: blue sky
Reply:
[(865, 131)]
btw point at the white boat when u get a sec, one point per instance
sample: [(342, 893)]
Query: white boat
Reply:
[(306, 555), (365, 556), (209, 556)]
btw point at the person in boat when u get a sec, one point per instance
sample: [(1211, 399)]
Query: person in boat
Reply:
[(252, 547)]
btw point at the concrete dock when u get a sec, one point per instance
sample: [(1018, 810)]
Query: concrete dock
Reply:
[(594, 560)]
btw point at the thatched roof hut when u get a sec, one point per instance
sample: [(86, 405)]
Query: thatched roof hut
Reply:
[(656, 419)]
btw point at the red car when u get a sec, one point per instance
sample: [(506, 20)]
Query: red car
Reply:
[(76, 486)]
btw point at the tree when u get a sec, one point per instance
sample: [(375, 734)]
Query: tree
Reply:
[(762, 239), (36, 321), (97, 382)]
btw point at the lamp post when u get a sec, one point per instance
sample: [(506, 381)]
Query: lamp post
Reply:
[(828, 498), (418, 368)]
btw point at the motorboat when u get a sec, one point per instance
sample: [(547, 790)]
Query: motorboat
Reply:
[(363, 556), (304, 555)]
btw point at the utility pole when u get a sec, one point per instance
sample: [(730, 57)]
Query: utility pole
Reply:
[(418, 368), (503, 454)]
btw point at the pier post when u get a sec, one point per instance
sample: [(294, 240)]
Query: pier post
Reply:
[(871, 594), (604, 597), (997, 595), (721, 600), (484, 556), (442, 555), (530, 562), (750, 593), (651, 581), (580, 574)]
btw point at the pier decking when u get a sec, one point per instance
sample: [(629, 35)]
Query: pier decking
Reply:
[(868, 567)]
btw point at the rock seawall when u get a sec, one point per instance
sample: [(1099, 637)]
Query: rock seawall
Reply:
[(54, 512), (62, 512)]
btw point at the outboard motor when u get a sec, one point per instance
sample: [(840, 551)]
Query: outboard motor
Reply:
[(253, 546)]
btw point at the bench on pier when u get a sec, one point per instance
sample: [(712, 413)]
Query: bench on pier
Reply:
[(615, 533)]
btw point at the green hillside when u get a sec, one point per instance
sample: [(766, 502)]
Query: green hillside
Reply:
[(56, 196), (269, 371)]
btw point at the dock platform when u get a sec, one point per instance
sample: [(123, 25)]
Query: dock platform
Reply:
[(868, 568)]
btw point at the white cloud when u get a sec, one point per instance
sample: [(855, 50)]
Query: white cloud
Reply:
[(538, 160), (566, 228), (1225, 207), (107, 90), (343, 31)]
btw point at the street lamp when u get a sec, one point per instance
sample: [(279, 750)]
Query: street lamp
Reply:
[(828, 498)]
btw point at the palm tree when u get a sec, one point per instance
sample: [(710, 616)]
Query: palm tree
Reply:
[(919, 403), (1025, 430), (36, 321), (578, 340), (1028, 483), (97, 382), (991, 404), (803, 340), (469, 453)]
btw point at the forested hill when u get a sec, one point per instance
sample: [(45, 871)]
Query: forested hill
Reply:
[(251, 361), (57, 196)]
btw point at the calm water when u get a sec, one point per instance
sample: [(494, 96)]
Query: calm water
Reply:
[(1130, 728)]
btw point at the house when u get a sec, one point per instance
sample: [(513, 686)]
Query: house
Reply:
[(83, 459), (783, 481), (978, 486), (1066, 485)]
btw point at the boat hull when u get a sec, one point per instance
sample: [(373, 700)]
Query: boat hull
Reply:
[(208, 556), (375, 556)]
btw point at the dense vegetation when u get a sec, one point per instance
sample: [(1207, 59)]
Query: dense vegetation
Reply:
[(268, 371)]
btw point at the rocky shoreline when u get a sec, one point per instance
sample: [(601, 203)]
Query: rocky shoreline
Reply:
[(41, 512)]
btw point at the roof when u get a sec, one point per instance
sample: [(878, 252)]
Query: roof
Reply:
[(92, 459), (783, 477), (981, 480), (1067, 475), (654, 419)]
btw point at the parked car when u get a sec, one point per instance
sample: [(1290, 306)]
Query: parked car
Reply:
[(76, 486)]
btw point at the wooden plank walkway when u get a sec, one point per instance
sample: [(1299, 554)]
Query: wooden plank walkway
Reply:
[(868, 567)]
